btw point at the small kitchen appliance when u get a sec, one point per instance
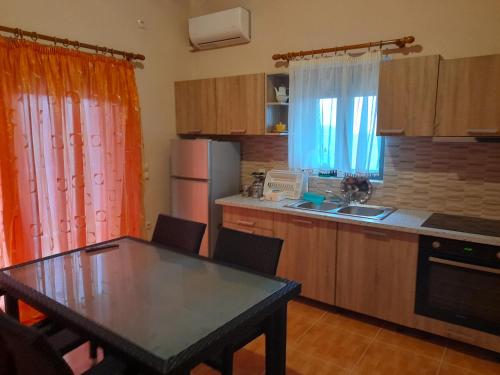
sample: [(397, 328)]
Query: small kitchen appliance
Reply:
[(257, 187)]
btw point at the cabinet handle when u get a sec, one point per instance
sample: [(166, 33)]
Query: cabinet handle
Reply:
[(300, 221), (369, 232), (483, 131), (238, 131), (246, 223), (391, 131), (194, 131)]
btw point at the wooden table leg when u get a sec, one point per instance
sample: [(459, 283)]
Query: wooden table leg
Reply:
[(12, 306), (276, 343)]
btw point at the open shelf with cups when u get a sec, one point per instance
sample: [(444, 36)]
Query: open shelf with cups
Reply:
[(277, 104)]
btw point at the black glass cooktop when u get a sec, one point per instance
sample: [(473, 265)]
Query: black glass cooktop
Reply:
[(475, 225)]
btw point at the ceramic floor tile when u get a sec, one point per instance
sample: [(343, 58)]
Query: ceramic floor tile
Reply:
[(297, 325), (245, 363), (473, 359), (304, 309), (382, 359), (298, 363), (447, 369), (257, 346), (248, 363), (204, 370), (333, 344), (79, 359), (353, 323), (418, 342)]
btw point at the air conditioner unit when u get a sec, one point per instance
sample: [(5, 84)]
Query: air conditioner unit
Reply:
[(229, 27)]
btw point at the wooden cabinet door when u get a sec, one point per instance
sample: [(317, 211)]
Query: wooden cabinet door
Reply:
[(308, 254), (407, 96), (468, 97), (376, 272), (241, 104), (195, 107)]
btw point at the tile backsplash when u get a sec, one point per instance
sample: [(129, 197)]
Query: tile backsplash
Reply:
[(455, 178)]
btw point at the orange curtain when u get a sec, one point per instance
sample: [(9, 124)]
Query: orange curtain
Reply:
[(70, 150)]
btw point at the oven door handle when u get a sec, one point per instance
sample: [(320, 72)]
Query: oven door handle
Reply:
[(464, 265)]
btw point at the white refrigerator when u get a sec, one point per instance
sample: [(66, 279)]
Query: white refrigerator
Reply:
[(201, 171)]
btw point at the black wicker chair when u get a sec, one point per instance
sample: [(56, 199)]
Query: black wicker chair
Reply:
[(26, 351), (256, 253), (178, 233)]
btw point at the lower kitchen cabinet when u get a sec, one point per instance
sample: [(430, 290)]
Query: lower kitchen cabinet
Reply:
[(308, 254), (376, 272)]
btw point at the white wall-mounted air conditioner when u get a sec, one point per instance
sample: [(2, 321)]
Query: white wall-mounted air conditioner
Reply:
[(225, 28)]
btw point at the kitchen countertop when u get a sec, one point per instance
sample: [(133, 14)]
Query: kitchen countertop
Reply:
[(404, 220)]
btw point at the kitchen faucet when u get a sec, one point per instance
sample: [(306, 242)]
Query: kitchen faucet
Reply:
[(345, 199)]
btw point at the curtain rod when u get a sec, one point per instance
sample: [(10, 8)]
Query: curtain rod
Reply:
[(74, 43), (401, 43)]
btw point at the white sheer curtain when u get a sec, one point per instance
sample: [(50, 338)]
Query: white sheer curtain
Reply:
[(333, 114)]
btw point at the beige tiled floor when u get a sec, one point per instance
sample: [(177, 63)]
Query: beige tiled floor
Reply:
[(327, 342)]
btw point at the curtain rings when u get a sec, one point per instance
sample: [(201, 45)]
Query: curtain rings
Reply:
[(21, 34), (54, 39), (34, 36), (380, 45), (65, 43), (77, 45), (96, 49)]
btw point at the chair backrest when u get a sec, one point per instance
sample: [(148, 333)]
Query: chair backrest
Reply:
[(257, 253), (25, 351), (179, 233)]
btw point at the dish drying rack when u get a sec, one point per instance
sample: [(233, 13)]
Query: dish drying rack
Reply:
[(293, 184)]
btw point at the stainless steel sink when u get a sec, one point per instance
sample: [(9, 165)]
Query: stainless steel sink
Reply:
[(323, 207), (372, 212), (369, 212)]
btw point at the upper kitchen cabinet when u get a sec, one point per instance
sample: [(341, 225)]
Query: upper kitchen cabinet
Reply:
[(468, 97), (195, 107), (407, 96), (241, 104)]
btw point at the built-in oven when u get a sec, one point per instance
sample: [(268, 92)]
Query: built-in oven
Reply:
[(459, 282)]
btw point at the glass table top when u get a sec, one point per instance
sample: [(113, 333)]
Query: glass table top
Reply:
[(158, 299)]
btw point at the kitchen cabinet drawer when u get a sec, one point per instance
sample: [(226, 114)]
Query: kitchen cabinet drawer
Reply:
[(247, 218), (250, 230), (308, 254), (407, 96), (376, 272)]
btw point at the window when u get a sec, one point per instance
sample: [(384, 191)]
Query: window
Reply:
[(375, 149), (333, 115)]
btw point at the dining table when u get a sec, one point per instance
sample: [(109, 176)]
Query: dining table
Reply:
[(157, 309)]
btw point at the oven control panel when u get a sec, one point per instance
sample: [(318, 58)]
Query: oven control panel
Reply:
[(475, 253)]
